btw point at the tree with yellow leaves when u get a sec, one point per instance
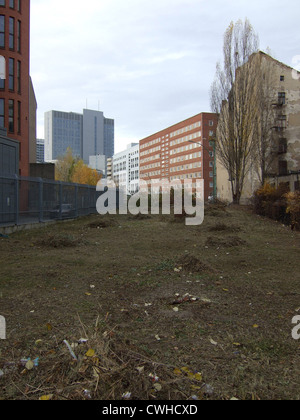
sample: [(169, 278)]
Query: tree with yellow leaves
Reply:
[(71, 169), (83, 174)]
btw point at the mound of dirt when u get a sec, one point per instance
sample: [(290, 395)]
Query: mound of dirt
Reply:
[(192, 264), (230, 241), (58, 241), (102, 224), (139, 216), (222, 227)]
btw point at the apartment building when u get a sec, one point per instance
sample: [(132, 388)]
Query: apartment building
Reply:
[(125, 169), (15, 87), (284, 128), (183, 151)]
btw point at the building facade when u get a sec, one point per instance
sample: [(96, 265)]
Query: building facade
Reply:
[(40, 150), (63, 130), (125, 169), (98, 135), (87, 134), (284, 128), (182, 151), (15, 81)]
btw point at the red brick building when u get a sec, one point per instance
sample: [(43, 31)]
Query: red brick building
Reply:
[(182, 151), (15, 88)]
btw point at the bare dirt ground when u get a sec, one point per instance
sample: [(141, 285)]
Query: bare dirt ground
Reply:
[(151, 309)]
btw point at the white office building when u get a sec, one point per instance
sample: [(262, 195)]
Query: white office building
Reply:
[(125, 168)]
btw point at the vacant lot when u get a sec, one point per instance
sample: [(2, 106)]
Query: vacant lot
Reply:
[(151, 308)]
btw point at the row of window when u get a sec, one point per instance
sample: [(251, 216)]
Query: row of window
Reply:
[(186, 167), (12, 4), (14, 33), (151, 158), (14, 115), (185, 129), (186, 138), (14, 76), (195, 175), (186, 157), (185, 148)]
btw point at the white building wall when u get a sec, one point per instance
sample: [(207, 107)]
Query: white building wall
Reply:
[(126, 168)]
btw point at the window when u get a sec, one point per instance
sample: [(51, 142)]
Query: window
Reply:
[(19, 76), (11, 115), (12, 4), (282, 78), (19, 36), (11, 74), (19, 118), (11, 33), (2, 2), (211, 123), (282, 146), (2, 114), (281, 98), (281, 121), (2, 31), (283, 167)]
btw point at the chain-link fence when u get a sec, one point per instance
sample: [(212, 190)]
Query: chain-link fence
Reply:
[(33, 200)]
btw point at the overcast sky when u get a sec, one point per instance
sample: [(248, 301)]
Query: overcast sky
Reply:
[(148, 64)]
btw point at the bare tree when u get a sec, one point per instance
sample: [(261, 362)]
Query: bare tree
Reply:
[(233, 98), (265, 101)]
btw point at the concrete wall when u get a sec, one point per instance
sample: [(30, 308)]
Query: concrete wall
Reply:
[(42, 170)]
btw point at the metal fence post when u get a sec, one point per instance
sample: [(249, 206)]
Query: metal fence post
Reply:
[(76, 200), (17, 199), (60, 199), (41, 212)]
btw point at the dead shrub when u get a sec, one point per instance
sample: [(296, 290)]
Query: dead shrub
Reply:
[(293, 208), (102, 366), (271, 202)]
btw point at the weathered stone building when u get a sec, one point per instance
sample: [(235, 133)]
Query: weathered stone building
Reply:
[(284, 126)]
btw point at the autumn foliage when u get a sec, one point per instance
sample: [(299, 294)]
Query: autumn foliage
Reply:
[(74, 170)]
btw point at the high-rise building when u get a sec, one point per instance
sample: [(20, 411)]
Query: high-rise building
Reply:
[(182, 151), (63, 130), (40, 151), (98, 135), (88, 134), (15, 81)]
